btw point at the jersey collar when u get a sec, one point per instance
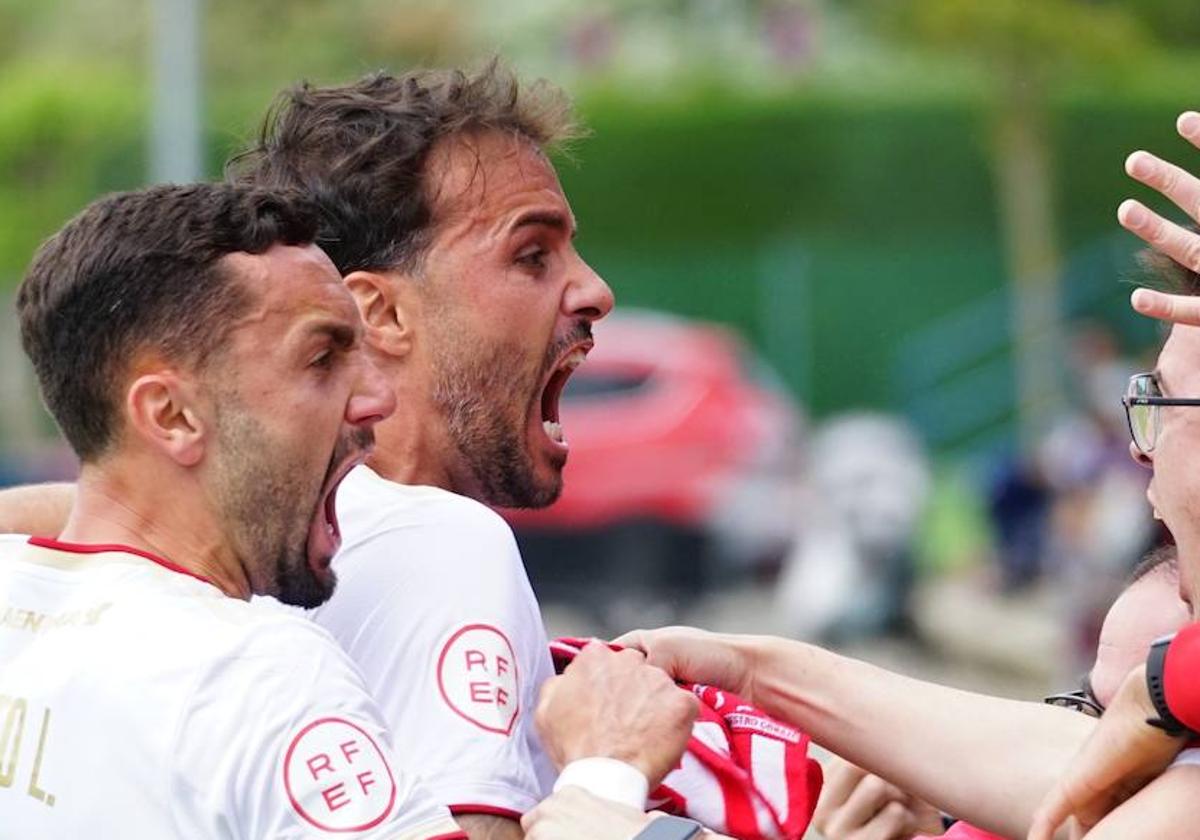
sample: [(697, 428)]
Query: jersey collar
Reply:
[(101, 548)]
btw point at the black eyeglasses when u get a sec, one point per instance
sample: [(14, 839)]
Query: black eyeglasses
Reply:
[(1143, 400), (1080, 700)]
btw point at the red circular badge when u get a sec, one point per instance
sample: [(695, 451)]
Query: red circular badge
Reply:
[(337, 778), (477, 675)]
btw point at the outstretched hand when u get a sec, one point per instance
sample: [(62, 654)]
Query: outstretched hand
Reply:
[(613, 704), (697, 656), (1167, 237), (1118, 759)]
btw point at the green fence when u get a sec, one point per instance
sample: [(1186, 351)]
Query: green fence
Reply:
[(831, 233)]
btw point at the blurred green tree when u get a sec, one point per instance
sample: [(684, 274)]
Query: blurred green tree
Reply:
[(1173, 22), (1027, 52)]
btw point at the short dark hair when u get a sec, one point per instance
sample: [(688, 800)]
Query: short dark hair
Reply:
[(139, 270), (1164, 557), (1163, 273), (360, 150)]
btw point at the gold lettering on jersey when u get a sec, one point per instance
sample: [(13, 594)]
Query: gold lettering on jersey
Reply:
[(13, 727), (18, 618), (10, 738), (34, 790)]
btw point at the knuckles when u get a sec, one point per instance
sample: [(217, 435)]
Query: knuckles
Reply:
[(878, 789), (895, 814)]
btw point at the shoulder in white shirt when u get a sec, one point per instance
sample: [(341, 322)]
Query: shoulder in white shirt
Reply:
[(434, 606), (136, 701)]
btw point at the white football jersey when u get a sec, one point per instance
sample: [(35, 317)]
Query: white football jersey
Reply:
[(434, 606), (1188, 757), (137, 701)]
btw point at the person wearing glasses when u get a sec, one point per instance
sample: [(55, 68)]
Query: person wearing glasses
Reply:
[(856, 803), (1139, 771), (925, 738), (987, 760), (892, 725), (881, 720)]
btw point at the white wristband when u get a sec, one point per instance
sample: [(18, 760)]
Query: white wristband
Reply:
[(607, 778)]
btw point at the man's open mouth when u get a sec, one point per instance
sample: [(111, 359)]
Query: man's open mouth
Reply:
[(553, 389), (325, 535)]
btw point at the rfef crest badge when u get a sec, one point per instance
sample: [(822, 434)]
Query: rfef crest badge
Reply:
[(337, 777), (478, 679)]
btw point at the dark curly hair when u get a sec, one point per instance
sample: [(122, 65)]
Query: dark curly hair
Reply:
[(360, 150), (140, 270)]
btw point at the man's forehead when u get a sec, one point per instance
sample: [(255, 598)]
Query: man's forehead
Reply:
[(290, 281), (280, 260), (478, 177), (1178, 353), (1148, 608)]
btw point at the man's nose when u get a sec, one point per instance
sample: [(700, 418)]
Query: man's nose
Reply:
[(374, 400), (1140, 457), (587, 297)]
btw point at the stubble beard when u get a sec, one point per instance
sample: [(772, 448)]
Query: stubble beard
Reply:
[(485, 403), (257, 493)]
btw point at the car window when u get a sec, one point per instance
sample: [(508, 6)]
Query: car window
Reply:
[(591, 385)]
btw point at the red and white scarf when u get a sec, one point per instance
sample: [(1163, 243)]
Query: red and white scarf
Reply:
[(743, 774)]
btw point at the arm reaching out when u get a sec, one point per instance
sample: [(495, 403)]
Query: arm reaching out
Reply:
[(890, 724), (1121, 756), (1165, 810)]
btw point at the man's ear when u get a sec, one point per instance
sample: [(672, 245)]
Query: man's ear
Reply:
[(163, 409), (387, 305)]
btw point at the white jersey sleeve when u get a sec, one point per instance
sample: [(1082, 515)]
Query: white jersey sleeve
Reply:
[(1188, 757), (306, 756), (438, 612)]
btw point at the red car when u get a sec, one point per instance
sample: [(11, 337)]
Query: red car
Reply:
[(682, 467)]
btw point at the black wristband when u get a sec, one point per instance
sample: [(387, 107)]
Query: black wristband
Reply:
[(1155, 666), (670, 828)]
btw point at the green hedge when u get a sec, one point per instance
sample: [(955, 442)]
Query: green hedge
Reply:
[(882, 214), (62, 143), (891, 208)]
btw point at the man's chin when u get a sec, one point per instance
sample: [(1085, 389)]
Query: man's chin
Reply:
[(311, 595), (527, 497), (545, 496), (305, 583), (543, 486), (547, 480), (512, 477)]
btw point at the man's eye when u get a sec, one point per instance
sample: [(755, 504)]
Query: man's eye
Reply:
[(323, 359), (535, 257)]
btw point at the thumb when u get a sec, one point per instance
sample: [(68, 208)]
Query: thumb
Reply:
[(633, 639), (1054, 809)]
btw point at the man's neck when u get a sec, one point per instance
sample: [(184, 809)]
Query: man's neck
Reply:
[(115, 506), (413, 446)]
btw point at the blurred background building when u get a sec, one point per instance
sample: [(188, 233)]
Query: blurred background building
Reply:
[(874, 328)]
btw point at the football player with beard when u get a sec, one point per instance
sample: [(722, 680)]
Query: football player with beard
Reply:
[(205, 363), (445, 217)]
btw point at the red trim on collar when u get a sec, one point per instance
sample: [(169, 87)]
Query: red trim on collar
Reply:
[(485, 810), (90, 548)]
